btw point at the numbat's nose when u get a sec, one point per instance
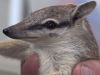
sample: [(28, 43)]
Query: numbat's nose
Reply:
[(6, 31)]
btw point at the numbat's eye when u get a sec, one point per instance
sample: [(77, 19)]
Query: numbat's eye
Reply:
[(50, 24)]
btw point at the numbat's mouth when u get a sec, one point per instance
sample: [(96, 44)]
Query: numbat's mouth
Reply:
[(13, 35)]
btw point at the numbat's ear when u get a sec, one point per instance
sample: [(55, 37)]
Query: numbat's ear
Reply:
[(83, 10)]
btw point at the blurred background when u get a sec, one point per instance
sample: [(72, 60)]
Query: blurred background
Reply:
[(13, 11)]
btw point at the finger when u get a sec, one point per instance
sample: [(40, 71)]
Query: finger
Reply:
[(91, 67), (30, 66)]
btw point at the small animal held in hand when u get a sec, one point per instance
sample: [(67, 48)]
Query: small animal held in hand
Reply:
[(60, 35)]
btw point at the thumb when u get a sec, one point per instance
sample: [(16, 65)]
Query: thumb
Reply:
[(90, 67)]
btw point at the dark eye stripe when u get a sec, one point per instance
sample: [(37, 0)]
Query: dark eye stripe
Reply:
[(41, 26), (64, 24), (50, 25), (36, 27)]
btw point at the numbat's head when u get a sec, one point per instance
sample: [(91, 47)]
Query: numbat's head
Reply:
[(53, 23)]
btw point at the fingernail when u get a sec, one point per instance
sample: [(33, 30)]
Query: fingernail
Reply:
[(86, 70)]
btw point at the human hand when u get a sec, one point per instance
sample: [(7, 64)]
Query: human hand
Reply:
[(90, 67)]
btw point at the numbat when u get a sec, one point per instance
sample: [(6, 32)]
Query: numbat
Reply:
[(59, 36)]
